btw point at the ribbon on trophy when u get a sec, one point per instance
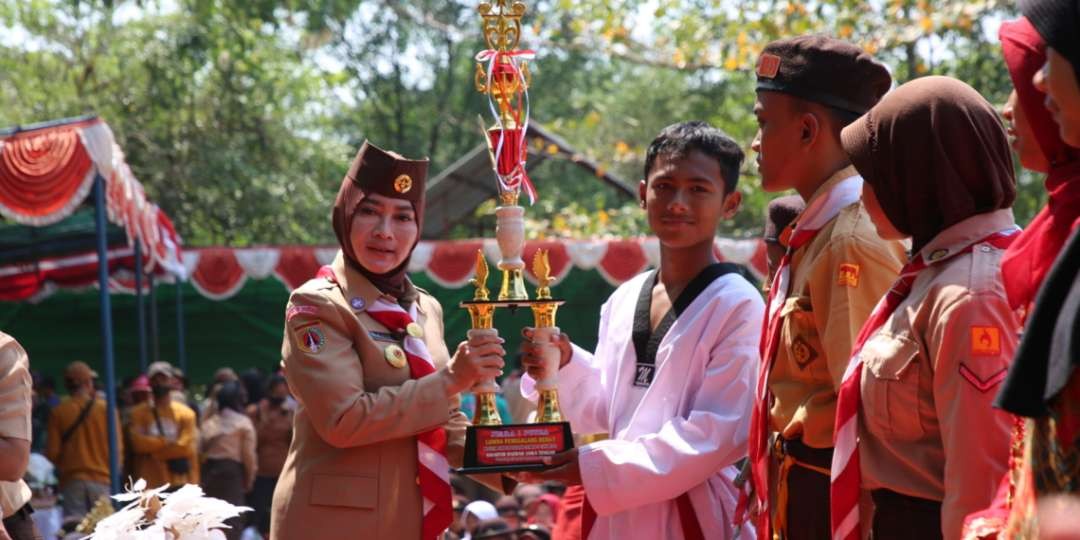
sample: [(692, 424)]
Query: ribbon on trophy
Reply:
[(505, 82)]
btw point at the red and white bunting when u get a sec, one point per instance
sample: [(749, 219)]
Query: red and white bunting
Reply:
[(219, 273)]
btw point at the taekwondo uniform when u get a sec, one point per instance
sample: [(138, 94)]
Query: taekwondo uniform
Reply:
[(676, 402)]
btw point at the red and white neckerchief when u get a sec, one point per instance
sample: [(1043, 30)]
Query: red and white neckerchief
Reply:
[(433, 468), (816, 215), (846, 480)]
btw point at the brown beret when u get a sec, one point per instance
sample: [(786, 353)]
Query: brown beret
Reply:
[(780, 213), (824, 70), (375, 170)]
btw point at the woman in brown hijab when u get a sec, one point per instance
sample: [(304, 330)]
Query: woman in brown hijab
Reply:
[(926, 366), (378, 424)]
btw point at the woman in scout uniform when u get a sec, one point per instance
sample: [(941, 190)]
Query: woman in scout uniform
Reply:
[(377, 424), (914, 416)]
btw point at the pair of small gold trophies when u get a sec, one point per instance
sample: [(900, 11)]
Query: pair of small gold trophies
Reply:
[(490, 445)]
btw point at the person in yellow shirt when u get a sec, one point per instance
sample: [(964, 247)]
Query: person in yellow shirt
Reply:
[(164, 435), (78, 442)]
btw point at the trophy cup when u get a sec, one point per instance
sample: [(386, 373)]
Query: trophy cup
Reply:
[(490, 445), (502, 75)]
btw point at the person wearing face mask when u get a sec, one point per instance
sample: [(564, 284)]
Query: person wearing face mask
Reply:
[(378, 423), (273, 419), (914, 423), (163, 434)]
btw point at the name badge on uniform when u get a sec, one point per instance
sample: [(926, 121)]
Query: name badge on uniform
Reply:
[(643, 374), (383, 336)]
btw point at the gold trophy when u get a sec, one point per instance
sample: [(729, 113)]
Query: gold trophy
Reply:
[(545, 334), (502, 75), (482, 314), (490, 445)]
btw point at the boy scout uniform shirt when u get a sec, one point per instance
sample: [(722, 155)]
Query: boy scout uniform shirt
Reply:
[(15, 404), (352, 466), (930, 375), (836, 280)]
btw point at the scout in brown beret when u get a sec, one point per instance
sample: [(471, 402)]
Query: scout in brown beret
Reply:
[(834, 270)]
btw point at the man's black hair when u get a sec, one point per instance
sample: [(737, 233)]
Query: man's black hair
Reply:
[(680, 139), (231, 395), (837, 118)]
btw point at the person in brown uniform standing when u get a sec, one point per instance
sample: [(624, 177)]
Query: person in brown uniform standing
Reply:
[(378, 422), (834, 271), (15, 397), (914, 419)]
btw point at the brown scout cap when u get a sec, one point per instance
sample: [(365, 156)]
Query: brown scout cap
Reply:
[(375, 170), (824, 70), (79, 371), (779, 214)]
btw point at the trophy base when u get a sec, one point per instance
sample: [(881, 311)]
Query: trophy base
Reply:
[(513, 447)]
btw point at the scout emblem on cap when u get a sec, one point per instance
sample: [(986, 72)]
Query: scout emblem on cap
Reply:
[(403, 183), (414, 330), (357, 303), (768, 66), (395, 356), (310, 338)]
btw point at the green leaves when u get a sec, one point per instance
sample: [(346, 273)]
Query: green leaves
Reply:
[(241, 117)]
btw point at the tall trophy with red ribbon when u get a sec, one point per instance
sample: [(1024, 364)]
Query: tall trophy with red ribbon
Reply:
[(502, 74)]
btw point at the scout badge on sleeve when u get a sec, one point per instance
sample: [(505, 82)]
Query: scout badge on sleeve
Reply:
[(310, 337), (848, 275)]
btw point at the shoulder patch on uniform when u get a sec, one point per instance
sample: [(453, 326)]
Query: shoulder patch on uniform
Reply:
[(848, 275), (979, 383), (985, 340), (296, 311), (310, 337)]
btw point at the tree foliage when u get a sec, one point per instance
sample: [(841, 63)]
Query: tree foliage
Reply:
[(240, 117)]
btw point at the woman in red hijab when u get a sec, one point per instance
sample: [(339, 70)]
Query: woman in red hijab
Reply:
[(1036, 139), (378, 423)]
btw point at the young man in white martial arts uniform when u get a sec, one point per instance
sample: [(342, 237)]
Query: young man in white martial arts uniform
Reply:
[(673, 375)]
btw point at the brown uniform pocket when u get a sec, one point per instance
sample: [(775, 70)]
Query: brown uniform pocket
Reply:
[(344, 490), (890, 387), (800, 341)]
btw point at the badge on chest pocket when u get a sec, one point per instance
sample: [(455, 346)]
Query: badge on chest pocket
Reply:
[(799, 334)]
